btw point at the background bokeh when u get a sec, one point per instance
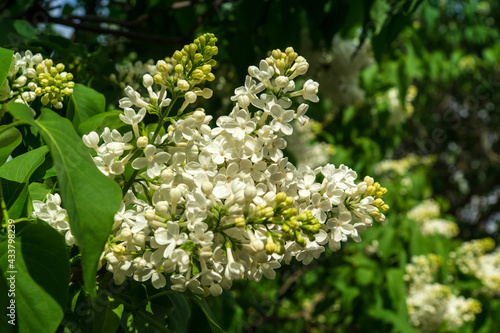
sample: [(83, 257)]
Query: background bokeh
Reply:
[(409, 93)]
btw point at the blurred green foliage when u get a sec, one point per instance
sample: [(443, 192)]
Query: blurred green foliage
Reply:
[(443, 53)]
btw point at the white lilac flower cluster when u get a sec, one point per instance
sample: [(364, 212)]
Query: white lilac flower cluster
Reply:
[(51, 212), (338, 69), (391, 101), (474, 257), (426, 214), (400, 167), (305, 148), (432, 305), (30, 76), (130, 74), (208, 205)]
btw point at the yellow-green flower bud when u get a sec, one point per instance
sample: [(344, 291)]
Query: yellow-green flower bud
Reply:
[(268, 212), (198, 74), (299, 239), (206, 69), (369, 180), (370, 190), (290, 212), (270, 247), (177, 56), (192, 48), (45, 99), (280, 248), (60, 67), (198, 57), (280, 197), (48, 63), (179, 68), (276, 54), (158, 78), (240, 222)]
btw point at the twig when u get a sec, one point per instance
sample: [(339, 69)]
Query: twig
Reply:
[(307, 312)]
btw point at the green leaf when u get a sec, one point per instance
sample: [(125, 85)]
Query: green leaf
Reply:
[(5, 62), (42, 272), (38, 191), (22, 167), (378, 14), (9, 140), (364, 276), (90, 198), (15, 175), (16, 32), (85, 103), (107, 316), (202, 303), (99, 121), (16, 198)]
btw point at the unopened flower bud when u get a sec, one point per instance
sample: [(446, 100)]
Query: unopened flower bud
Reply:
[(166, 176), (207, 93), (142, 142), (48, 63), (250, 193), (182, 85), (190, 97), (162, 67), (149, 214), (175, 194), (280, 197), (147, 80), (282, 82), (162, 207), (207, 187), (369, 180), (117, 168), (243, 101), (240, 222), (179, 68), (270, 247)]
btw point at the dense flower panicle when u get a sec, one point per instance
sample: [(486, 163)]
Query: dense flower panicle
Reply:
[(339, 69), (426, 210), (426, 214), (51, 212), (432, 305), (30, 76), (305, 149), (214, 204), (474, 257), (401, 166), (399, 112), (130, 74)]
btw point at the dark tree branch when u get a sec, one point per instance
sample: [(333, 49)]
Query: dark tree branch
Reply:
[(69, 21), (119, 33), (140, 19)]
